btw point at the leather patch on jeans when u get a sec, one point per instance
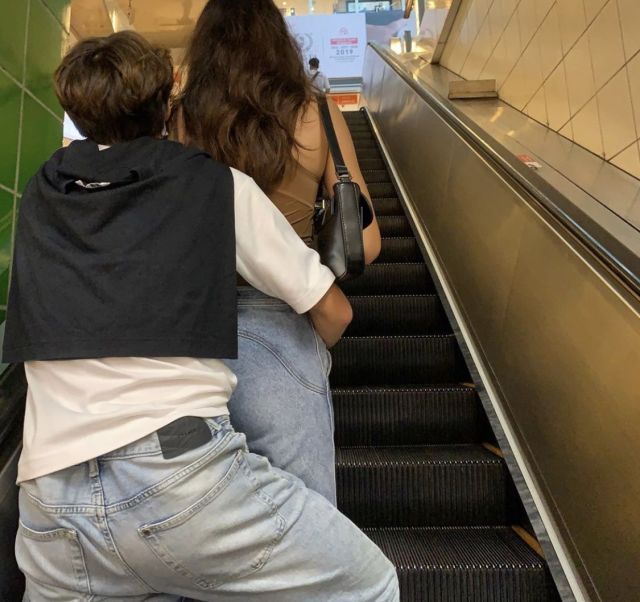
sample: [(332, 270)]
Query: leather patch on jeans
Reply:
[(183, 435)]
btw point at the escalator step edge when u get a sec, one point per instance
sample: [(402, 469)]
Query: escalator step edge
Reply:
[(464, 565), (420, 415)]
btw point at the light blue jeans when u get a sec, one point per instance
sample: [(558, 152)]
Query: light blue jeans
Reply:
[(283, 401), (216, 523)]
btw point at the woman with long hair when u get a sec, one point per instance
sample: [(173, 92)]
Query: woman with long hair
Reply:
[(248, 102)]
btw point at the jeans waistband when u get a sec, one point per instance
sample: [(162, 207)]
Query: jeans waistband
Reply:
[(247, 295), (150, 444)]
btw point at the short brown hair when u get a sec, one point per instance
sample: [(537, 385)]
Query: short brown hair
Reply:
[(115, 88)]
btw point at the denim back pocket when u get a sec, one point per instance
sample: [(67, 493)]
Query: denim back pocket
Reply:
[(228, 533), (53, 557)]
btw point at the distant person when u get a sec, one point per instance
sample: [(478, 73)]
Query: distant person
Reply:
[(248, 102), (134, 485), (318, 79)]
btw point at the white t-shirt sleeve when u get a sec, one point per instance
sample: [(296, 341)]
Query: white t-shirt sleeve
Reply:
[(270, 255)]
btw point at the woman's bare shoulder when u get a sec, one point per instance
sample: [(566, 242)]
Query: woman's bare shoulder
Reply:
[(310, 115), (309, 131)]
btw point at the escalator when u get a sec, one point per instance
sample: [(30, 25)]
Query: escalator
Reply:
[(418, 467), (13, 389)]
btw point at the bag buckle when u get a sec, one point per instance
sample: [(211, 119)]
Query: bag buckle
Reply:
[(323, 209)]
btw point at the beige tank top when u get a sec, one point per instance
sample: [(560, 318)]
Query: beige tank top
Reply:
[(296, 195)]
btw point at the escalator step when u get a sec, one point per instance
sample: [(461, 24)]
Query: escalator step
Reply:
[(396, 315), (373, 162), (388, 206), (361, 131), (364, 143), (360, 127), (399, 250), (464, 565), (405, 415), (354, 115), (394, 225), (376, 175), (422, 486), (381, 189), (391, 279), (369, 153), (397, 360), (363, 140)]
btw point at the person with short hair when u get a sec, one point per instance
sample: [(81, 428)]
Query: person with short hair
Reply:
[(318, 79), (134, 484)]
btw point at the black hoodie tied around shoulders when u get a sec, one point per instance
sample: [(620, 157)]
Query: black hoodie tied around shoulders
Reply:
[(127, 251)]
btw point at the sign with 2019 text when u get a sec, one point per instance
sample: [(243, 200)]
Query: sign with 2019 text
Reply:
[(339, 41)]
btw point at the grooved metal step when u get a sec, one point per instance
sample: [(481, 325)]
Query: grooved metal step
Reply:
[(397, 315), (364, 143), (367, 154), (381, 189), (372, 162), (388, 206), (464, 565), (361, 130), (355, 117), (420, 415), (391, 279), (376, 175), (436, 485), (394, 225), (393, 360), (400, 250)]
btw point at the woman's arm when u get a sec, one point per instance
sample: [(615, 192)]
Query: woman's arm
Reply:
[(371, 234), (272, 257)]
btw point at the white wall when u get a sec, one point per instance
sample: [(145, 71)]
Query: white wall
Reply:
[(573, 65)]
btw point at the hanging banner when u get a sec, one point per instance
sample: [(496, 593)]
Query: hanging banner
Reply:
[(338, 41)]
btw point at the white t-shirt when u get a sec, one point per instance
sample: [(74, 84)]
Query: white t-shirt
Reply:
[(80, 409), (319, 80)]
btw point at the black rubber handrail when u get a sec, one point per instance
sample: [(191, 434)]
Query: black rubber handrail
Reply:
[(13, 390), (617, 257)]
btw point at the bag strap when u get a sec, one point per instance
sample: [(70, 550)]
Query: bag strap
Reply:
[(342, 172)]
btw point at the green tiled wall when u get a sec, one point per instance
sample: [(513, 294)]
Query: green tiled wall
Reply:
[(34, 35)]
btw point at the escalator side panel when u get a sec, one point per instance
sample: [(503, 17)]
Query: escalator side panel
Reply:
[(416, 462), (556, 333)]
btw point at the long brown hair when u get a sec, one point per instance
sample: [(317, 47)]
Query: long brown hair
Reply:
[(245, 88)]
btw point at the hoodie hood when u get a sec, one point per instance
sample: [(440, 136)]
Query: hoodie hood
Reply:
[(122, 163), (124, 252)]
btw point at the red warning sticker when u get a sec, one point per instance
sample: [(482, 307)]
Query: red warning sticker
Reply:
[(529, 161)]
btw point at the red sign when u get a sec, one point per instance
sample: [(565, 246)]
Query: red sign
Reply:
[(529, 161), (346, 99)]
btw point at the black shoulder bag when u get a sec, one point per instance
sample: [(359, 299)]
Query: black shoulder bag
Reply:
[(338, 222)]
